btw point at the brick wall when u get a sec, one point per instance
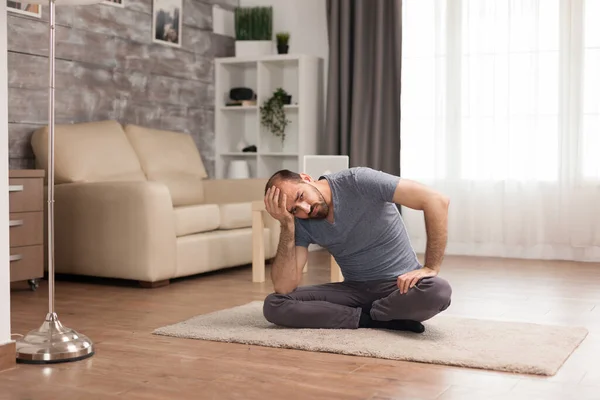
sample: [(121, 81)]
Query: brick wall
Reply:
[(107, 67)]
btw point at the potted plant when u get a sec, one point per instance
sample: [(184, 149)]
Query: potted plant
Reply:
[(282, 42), (272, 113), (253, 31)]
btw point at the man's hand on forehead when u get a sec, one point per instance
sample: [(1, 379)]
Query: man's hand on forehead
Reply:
[(275, 204)]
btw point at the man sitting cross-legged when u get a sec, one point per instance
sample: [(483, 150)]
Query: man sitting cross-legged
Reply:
[(353, 214)]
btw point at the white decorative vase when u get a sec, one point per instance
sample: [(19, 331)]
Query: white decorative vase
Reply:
[(239, 169), (250, 48)]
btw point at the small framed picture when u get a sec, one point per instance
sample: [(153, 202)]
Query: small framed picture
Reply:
[(33, 10), (167, 22), (114, 3)]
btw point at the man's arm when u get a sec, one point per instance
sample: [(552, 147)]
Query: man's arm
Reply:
[(290, 258), (434, 205), (382, 186), (289, 261)]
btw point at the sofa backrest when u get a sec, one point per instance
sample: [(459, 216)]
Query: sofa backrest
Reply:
[(88, 152), (171, 158)]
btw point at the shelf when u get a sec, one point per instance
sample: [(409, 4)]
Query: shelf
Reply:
[(256, 108), (271, 144), (275, 75), (239, 108), (300, 76), (241, 127), (254, 154), (275, 154), (235, 76), (272, 58), (239, 154)]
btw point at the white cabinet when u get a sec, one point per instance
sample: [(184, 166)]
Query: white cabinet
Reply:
[(237, 126)]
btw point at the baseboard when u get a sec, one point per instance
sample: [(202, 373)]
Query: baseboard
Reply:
[(8, 356)]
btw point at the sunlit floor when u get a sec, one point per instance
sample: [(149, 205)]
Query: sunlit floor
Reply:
[(131, 363)]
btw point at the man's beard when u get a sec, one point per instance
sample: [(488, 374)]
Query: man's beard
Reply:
[(322, 207)]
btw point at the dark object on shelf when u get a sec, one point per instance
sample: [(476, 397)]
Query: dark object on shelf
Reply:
[(282, 48), (287, 99), (249, 149), (241, 93)]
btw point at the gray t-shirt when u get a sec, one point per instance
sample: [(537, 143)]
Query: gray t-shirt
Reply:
[(368, 238)]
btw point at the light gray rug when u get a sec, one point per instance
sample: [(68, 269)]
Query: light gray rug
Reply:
[(476, 343)]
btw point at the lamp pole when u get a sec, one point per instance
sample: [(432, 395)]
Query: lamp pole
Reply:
[(52, 342)]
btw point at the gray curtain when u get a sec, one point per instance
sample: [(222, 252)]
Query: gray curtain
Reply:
[(362, 118)]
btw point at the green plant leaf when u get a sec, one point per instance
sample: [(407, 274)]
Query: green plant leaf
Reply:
[(272, 114), (282, 38), (254, 23)]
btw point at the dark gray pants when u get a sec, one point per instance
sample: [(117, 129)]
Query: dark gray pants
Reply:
[(339, 304)]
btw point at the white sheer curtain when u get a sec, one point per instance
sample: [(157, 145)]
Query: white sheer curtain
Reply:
[(501, 111)]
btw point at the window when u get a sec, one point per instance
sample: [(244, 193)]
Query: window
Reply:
[(591, 91), (501, 90)]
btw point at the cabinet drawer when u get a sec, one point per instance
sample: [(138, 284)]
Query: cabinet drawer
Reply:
[(26, 228), (26, 262), (26, 194)]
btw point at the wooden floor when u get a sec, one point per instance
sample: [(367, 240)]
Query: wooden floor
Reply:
[(131, 363)]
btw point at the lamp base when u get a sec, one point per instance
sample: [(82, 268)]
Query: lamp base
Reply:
[(53, 343)]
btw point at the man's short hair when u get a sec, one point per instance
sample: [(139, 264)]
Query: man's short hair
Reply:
[(281, 176)]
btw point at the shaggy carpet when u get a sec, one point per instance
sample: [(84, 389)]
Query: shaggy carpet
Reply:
[(467, 342)]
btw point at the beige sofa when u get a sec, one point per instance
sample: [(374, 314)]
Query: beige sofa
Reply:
[(136, 203)]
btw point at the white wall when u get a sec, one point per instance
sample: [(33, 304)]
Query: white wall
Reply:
[(307, 37), (4, 243)]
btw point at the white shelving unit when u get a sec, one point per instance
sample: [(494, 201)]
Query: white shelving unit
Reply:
[(299, 75)]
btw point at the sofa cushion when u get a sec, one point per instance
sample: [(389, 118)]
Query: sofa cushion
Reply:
[(88, 152), (196, 219), (235, 215), (171, 158), (185, 190)]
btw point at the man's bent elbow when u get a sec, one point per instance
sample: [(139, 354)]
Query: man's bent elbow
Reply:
[(445, 201), (442, 201), (437, 203)]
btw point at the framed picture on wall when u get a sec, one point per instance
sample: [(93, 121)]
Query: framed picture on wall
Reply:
[(115, 3), (33, 10), (167, 22)]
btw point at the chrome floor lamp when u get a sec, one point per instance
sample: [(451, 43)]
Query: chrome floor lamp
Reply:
[(53, 342)]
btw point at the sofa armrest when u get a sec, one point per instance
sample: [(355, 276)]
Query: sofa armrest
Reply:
[(219, 191), (115, 229)]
